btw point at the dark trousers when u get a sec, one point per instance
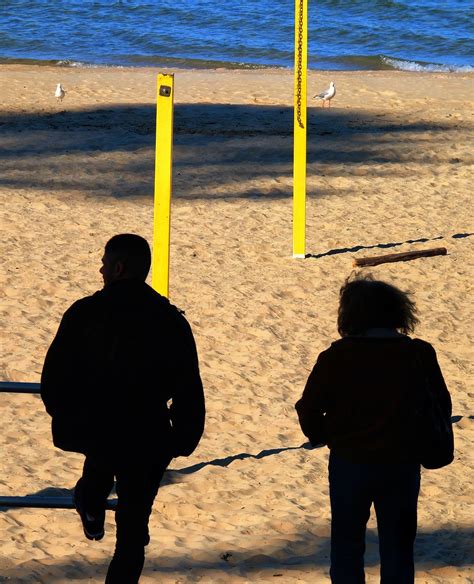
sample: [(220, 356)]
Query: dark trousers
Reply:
[(393, 489), (136, 485)]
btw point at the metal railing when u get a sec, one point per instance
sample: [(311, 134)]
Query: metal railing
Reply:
[(36, 501)]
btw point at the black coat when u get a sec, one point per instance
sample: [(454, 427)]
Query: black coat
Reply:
[(360, 397), (122, 376)]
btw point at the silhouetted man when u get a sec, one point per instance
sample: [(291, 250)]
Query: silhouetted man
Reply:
[(121, 382)]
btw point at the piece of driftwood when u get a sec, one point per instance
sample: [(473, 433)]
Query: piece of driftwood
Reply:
[(400, 257)]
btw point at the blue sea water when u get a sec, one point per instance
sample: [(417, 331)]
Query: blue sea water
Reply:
[(430, 35)]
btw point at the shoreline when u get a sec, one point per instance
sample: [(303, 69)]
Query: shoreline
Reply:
[(111, 72), (384, 64), (358, 91)]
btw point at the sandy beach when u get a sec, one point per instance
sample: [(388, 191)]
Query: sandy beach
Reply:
[(389, 170)]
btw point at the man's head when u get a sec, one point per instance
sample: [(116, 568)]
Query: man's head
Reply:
[(126, 256)]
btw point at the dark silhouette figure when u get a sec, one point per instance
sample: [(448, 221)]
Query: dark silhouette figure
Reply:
[(121, 382), (360, 400)]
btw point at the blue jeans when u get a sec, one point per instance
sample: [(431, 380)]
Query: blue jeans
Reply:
[(393, 489)]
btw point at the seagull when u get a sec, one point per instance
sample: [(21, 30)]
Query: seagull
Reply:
[(328, 94), (59, 93)]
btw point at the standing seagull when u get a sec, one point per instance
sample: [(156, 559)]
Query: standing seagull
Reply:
[(59, 93), (328, 94)]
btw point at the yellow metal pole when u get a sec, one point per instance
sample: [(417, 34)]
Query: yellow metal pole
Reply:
[(299, 134), (163, 184)]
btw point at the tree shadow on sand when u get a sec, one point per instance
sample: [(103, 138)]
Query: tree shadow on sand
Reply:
[(109, 151)]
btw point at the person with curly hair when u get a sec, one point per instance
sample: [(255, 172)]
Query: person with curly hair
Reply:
[(359, 401)]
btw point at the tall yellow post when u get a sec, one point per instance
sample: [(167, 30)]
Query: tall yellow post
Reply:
[(163, 184), (299, 134)]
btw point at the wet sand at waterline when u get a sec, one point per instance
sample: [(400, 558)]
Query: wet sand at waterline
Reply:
[(389, 170)]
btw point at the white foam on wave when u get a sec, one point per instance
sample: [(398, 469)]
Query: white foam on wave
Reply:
[(429, 67), (66, 63)]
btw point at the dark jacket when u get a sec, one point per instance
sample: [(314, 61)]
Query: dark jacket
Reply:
[(360, 397), (118, 358)]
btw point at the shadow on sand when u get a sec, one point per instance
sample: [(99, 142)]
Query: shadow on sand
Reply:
[(385, 245), (303, 550), (109, 151), (434, 549), (61, 498)]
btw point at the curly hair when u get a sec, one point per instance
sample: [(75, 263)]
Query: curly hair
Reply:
[(366, 303)]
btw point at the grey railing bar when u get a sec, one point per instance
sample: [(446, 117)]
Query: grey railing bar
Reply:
[(19, 387), (35, 501)]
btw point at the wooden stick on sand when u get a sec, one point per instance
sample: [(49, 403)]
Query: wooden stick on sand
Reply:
[(400, 257)]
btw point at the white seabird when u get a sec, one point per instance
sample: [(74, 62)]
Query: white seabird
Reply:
[(328, 94), (59, 93)]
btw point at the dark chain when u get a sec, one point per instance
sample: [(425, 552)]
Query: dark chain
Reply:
[(299, 73)]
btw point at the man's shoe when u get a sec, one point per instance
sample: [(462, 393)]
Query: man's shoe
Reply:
[(93, 526)]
